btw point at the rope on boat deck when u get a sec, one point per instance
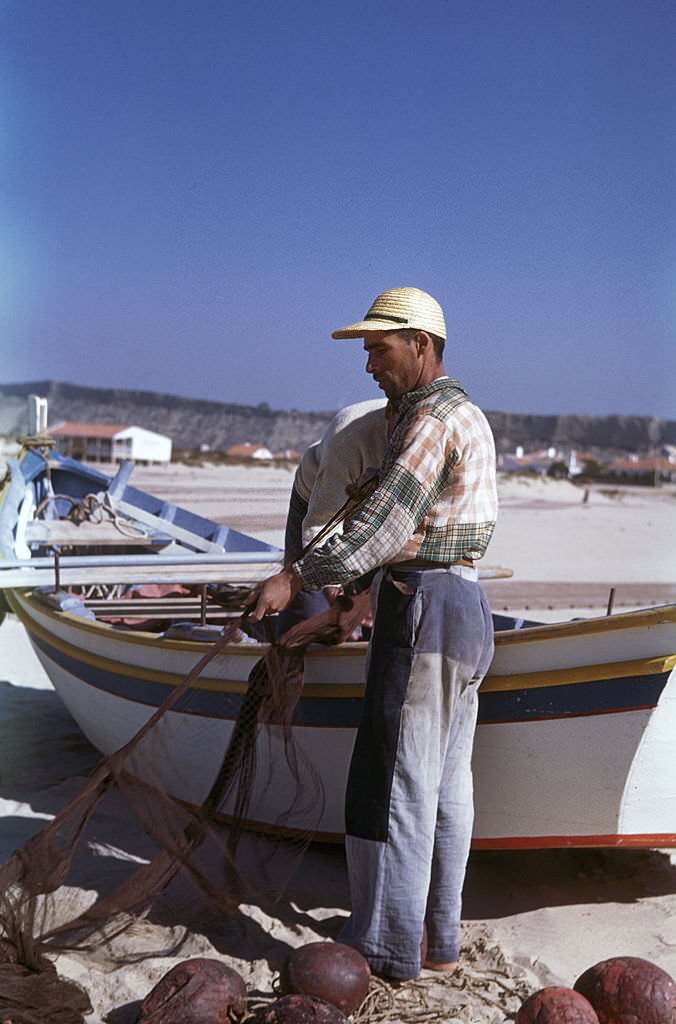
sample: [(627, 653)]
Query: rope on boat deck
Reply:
[(41, 442), (95, 510)]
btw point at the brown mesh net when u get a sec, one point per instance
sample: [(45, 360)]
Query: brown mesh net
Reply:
[(30, 989), (31, 929)]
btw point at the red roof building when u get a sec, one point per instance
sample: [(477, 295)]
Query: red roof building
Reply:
[(287, 455), (74, 428), (249, 451), (110, 442), (643, 466)]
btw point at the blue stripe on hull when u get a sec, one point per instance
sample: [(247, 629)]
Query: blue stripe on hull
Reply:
[(316, 711), (540, 703), (595, 697)]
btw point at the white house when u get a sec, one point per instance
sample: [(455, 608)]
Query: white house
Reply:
[(111, 442), (528, 462), (249, 451)]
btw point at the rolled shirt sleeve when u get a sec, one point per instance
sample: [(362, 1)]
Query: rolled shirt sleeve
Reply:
[(407, 490)]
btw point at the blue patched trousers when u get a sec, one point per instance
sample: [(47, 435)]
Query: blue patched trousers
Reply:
[(409, 800)]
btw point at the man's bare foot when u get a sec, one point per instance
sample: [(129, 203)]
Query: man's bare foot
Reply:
[(430, 965)]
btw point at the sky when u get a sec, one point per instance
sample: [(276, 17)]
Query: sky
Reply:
[(193, 195)]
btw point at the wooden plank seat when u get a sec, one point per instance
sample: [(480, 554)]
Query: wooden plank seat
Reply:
[(156, 608), (57, 532)]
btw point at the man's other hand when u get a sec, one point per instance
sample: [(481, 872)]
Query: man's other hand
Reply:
[(275, 594), (333, 626)]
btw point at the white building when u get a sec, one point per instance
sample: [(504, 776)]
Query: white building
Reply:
[(111, 442), (249, 451)]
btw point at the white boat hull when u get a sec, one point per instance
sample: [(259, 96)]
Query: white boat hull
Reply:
[(575, 746)]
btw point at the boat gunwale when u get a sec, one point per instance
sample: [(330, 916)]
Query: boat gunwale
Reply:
[(662, 615), (149, 639), (576, 675)]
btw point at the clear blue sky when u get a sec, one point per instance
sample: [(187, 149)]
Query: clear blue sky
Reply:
[(194, 194)]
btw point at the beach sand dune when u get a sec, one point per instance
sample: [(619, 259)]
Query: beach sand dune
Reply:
[(531, 918)]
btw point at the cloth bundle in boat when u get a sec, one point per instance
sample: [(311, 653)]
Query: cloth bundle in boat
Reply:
[(29, 880)]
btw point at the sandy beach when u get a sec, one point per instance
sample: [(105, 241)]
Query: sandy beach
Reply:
[(530, 918), (565, 553)]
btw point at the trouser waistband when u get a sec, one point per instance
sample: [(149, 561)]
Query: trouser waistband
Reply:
[(466, 572)]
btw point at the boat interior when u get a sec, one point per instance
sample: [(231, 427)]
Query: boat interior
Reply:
[(74, 512), (176, 611)]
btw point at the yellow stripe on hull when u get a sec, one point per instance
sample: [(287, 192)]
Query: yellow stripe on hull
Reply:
[(492, 684), (581, 674), (583, 627)]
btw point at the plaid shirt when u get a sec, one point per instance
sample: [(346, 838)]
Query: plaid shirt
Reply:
[(436, 498)]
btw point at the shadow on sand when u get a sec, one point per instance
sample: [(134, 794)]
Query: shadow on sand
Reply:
[(499, 884), (40, 744), (44, 760), (44, 763)]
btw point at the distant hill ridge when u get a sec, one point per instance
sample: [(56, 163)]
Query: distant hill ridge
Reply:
[(191, 422)]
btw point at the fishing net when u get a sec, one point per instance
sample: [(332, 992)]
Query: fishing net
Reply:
[(30, 989), (188, 840)]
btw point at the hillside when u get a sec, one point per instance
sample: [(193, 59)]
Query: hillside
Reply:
[(191, 422)]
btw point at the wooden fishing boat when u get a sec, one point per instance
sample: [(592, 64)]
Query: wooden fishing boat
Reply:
[(576, 743)]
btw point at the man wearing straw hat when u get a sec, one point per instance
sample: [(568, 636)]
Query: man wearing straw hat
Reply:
[(409, 804)]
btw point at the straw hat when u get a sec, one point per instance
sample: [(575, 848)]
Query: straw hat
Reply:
[(399, 309)]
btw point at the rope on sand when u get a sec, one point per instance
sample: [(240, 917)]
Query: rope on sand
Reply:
[(462, 995)]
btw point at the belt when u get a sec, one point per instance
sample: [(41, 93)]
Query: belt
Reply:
[(466, 570), (420, 564)]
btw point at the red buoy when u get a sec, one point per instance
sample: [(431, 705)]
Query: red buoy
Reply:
[(196, 991), (330, 970), (300, 1009), (630, 990), (556, 1005)]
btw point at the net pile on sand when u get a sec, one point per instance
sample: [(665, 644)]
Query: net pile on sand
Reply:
[(30, 990), (30, 929), (486, 988)]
